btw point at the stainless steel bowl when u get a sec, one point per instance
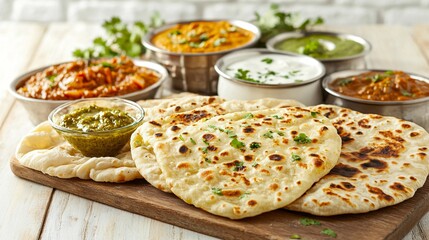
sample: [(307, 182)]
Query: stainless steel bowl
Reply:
[(39, 109), (416, 110), (308, 92), (193, 72), (334, 64)]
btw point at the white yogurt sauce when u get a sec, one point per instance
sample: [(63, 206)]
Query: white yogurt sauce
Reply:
[(273, 69)]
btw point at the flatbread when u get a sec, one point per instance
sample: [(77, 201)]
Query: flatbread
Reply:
[(384, 160), (43, 149), (245, 163), (172, 113)]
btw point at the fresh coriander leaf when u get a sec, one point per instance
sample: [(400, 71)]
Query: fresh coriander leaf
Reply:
[(207, 160), (52, 78), (308, 222), (267, 60), (197, 44), (212, 127), (205, 150), (389, 72), (248, 116), (205, 142), (406, 93), (181, 137), (239, 166), (244, 75), (204, 37), (280, 133), (314, 114), (295, 157), (298, 81), (295, 236), (244, 195), (254, 145), (376, 78), (230, 133), (236, 144), (183, 41), (302, 139), (268, 134), (107, 65), (345, 81), (193, 141), (175, 33), (329, 232), (277, 117), (313, 48), (217, 191), (255, 164)]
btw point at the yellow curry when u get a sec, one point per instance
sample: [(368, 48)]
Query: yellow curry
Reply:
[(202, 37)]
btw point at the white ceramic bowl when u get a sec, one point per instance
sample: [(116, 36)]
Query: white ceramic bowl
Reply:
[(308, 92)]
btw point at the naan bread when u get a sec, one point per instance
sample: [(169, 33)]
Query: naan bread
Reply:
[(383, 161), (242, 164), (43, 149), (172, 113)]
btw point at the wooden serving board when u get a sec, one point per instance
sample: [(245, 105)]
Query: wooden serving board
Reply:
[(141, 198)]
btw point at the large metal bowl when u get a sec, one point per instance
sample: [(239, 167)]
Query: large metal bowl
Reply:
[(39, 109), (416, 110), (334, 64), (308, 92), (193, 72)]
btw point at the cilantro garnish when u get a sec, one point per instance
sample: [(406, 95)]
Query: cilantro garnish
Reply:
[(308, 221), (295, 236), (205, 150), (239, 166), (376, 78), (280, 133), (193, 141), (255, 164), (106, 64), (207, 160), (181, 137), (406, 93), (389, 72), (343, 82), (244, 195), (329, 232), (302, 139), (244, 75), (236, 144), (255, 145), (219, 41), (175, 32), (248, 116), (268, 134), (217, 191), (267, 60), (295, 157), (314, 114), (277, 117)]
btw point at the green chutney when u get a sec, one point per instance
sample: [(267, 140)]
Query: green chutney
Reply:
[(98, 137), (321, 46)]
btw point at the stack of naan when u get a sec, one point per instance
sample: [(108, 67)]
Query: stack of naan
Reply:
[(241, 158)]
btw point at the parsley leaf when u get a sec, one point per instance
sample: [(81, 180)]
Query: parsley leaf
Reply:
[(255, 145), (248, 116), (267, 60), (244, 75), (295, 157), (268, 134), (329, 232), (280, 133), (193, 141), (217, 191), (308, 221), (302, 139), (236, 144), (239, 166), (181, 137), (314, 114)]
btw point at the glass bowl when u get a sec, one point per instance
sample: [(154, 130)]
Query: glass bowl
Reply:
[(94, 142)]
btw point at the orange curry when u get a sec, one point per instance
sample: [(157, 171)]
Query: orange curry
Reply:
[(89, 78), (202, 37), (382, 86)]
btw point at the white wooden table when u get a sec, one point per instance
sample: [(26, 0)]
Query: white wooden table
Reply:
[(32, 211)]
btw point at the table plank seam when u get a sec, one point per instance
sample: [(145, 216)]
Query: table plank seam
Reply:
[(45, 215)]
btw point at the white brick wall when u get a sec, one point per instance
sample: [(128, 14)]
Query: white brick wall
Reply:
[(336, 12)]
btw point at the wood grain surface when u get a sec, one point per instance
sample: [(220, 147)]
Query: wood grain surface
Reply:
[(141, 198)]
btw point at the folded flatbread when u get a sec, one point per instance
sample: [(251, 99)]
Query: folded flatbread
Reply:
[(383, 161), (177, 114), (244, 163)]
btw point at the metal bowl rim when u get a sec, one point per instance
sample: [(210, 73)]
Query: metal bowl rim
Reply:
[(328, 79), (251, 27), (141, 63), (283, 36), (220, 62)]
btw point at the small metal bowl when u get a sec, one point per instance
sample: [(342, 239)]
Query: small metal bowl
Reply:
[(308, 92), (334, 64), (98, 143), (194, 72), (39, 109), (415, 110)]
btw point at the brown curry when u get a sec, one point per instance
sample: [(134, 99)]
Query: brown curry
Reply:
[(202, 37), (381, 86)]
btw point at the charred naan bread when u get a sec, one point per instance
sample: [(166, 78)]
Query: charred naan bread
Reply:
[(245, 163), (383, 161), (43, 149), (172, 114)]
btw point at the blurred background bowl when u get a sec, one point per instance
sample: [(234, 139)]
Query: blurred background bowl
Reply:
[(308, 92), (410, 110), (356, 61), (194, 72), (38, 109)]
